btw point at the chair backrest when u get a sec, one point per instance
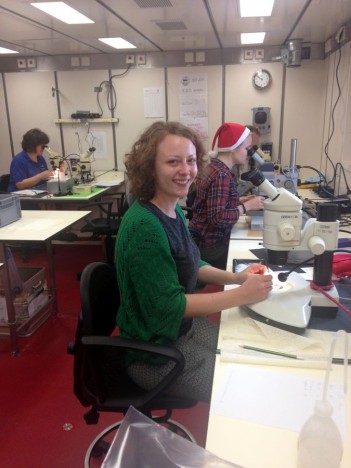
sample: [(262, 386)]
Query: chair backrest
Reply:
[(99, 297), (4, 183)]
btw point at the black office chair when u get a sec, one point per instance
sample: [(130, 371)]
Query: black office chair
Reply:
[(100, 300), (4, 183), (105, 225)]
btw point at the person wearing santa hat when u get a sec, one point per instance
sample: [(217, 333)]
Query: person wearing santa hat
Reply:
[(217, 205)]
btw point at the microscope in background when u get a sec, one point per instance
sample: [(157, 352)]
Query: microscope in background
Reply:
[(62, 181), (278, 176), (81, 167), (293, 300)]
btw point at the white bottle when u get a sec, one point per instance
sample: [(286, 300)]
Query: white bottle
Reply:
[(320, 443)]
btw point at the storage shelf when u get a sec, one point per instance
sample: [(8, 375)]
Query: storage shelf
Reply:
[(83, 121)]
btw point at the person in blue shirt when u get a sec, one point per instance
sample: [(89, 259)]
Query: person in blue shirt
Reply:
[(28, 168)]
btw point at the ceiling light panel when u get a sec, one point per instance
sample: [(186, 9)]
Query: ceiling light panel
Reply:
[(250, 8), (117, 42), (252, 38), (62, 12), (3, 50)]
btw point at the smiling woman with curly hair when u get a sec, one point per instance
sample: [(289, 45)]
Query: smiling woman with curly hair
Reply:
[(158, 265)]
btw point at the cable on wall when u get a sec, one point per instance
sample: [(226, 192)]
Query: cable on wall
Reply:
[(111, 96), (326, 147)]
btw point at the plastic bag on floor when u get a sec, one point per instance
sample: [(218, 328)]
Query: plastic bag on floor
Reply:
[(140, 442)]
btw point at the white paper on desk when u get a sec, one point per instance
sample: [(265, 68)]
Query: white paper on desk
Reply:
[(243, 330), (273, 398), (29, 192)]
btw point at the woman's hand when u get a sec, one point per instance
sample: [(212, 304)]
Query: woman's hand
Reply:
[(254, 289), (45, 175), (254, 268), (246, 198), (253, 202)]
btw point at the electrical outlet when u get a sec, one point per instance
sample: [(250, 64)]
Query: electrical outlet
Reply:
[(21, 63), (141, 59), (130, 58), (97, 89), (31, 63)]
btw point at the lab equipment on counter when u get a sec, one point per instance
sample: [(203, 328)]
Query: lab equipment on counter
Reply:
[(60, 184), (283, 233), (81, 168)]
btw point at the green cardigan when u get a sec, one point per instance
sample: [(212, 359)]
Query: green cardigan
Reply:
[(152, 300)]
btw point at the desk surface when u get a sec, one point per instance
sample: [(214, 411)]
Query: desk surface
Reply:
[(242, 230), (110, 178), (254, 445), (39, 225), (103, 182), (244, 441), (78, 198)]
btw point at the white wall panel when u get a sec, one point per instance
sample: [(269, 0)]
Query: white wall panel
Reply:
[(337, 119), (241, 97), (76, 91), (304, 113), (130, 106), (31, 105), (214, 86)]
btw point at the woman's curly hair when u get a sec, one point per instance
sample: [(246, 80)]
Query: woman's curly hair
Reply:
[(140, 161)]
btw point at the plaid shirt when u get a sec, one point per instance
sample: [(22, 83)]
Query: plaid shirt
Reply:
[(215, 208)]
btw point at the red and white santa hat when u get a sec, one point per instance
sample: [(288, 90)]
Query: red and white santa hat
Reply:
[(229, 136)]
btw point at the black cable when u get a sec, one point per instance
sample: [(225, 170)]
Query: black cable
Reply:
[(342, 169), (332, 116), (111, 97), (321, 175), (283, 275)]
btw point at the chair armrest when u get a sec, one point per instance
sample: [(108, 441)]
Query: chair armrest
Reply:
[(138, 345)]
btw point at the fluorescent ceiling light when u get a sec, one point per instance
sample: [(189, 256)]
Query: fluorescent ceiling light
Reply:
[(3, 50), (252, 38), (256, 8), (62, 12), (117, 42)]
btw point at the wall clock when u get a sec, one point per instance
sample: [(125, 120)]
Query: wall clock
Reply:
[(261, 79)]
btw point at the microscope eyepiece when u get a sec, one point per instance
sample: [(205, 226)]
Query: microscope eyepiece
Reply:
[(255, 177)]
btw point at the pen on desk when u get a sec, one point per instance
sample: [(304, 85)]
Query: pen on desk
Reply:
[(268, 351), (291, 356)]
